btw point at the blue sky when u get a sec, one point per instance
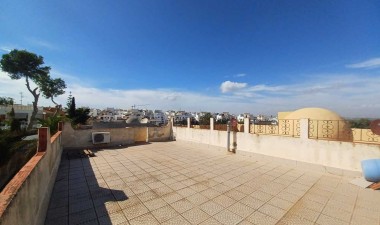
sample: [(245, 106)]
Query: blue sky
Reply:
[(236, 56)]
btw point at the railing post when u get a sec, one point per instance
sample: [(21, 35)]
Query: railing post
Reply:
[(60, 126), (147, 135), (42, 139), (246, 125), (228, 135), (188, 122), (211, 123), (304, 129)]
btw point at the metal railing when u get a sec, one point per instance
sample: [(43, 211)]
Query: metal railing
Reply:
[(336, 130), (340, 130), (365, 136), (330, 130), (290, 128)]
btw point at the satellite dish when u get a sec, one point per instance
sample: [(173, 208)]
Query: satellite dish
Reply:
[(375, 127)]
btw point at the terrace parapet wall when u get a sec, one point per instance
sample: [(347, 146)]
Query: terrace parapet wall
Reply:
[(76, 139), (324, 145), (25, 199)]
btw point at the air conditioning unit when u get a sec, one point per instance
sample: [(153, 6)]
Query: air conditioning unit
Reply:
[(101, 137)]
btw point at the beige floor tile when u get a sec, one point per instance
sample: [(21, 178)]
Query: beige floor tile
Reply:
[(186, 192), (178, 220), (261, 219), (281, 203), (210, 193), (171, 197), (197, 199), (164, 213), (272, 211), (182, 205), (211, 207), (358, 219), (304, 213), (147, 218), (262, 195), (241, 209), (135, 211), (337, 213), (252, 202), (161, 191), (155, 204), (315, 206), (224, 200), (235, 194), (210, 221), (227, 217), (195, 216), (324, 219), (245, 222), (146, 196), (291, 219)]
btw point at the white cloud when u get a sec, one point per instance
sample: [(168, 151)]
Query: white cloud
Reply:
[(5, 49), (350, 95), (240, 75), (41, 43), (228, 86), (263, 87), (368, 64)]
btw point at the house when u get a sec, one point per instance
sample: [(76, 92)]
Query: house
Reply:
[(22, 113)]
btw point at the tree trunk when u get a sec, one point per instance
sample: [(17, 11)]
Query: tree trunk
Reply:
[(57, 107), (35, 106)]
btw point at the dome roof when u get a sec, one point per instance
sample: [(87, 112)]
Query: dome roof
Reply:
[(314, 114)]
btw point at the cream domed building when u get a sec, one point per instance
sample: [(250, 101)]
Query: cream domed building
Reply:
[(323, 123)]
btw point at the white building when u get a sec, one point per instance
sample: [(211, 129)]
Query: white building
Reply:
[(240, 117), (159, 117), (22, 112), (181, 116)]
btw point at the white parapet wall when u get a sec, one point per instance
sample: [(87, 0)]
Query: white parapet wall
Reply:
[(73, 139), (331, 156)]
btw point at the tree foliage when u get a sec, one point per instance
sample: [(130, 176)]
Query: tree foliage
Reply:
[(205, 119), (52, 122), (6, 101), (81, 116), (52, 88), (72, 108), (222, 121), (23, 64), (360, 123)]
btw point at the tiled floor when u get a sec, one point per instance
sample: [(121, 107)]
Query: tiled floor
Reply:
[(183, 183)]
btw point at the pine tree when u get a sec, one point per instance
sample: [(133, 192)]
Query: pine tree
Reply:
[(69, 99), (72, 108)]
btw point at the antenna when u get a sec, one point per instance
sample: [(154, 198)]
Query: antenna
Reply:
[(21, 97)]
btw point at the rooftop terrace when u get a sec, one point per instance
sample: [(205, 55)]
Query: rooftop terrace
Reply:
[(182, 183)]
